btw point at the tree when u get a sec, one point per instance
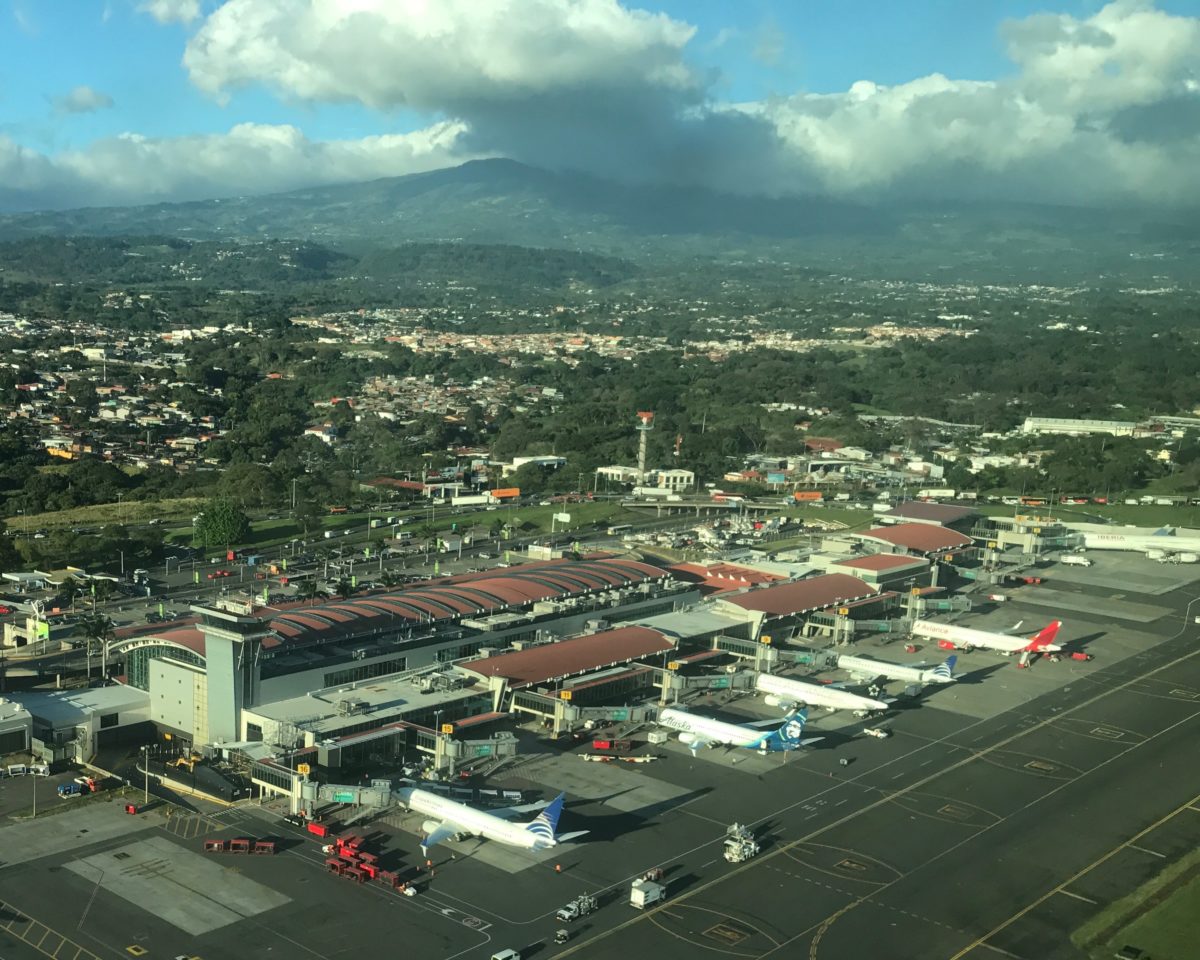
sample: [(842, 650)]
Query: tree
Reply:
[(308, 590), (222, 523), (68, 591), (98, 632), (344, 588)]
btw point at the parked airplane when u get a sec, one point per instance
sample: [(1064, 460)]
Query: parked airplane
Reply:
[(455, 819), (864, 668), (1161, 543), (791, 694), (696, 732), (966, 639)]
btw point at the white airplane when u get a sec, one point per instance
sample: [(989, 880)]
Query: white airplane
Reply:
[(696, 732), (864, 668), (966, 639), (455, 819), (791, 694), (1163, 542)]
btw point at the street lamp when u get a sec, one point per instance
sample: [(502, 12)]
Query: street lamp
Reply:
[(144, 748)]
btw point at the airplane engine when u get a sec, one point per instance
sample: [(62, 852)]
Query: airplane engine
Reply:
[(429, 826), (686, 737), (772, 700)]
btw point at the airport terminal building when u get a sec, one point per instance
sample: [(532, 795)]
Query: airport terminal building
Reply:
[(214, 682)]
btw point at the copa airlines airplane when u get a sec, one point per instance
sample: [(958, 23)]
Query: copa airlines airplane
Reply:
[(966, 639), (454, 819), (864, 668), (696, 732), (791, 694)]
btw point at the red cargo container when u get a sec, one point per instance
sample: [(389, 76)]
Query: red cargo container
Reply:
[(946, 644), (318, 829), (611, 744)]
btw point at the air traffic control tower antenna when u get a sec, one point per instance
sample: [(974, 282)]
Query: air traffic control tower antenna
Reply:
[(646, 424)]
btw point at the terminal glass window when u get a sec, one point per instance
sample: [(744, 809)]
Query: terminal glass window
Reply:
[(365, 671), (137, 661)]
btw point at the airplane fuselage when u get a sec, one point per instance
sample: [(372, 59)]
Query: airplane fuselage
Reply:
[(478, 823), (712, 730), (814, 694), (965, 638), (866, 667)]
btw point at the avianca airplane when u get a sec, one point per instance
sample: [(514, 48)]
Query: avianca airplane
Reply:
[(791, 694), (452, 819), (864, 668), (967, 639), (696, 732)]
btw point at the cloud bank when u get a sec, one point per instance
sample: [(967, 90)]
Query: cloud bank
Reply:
[(1100, 110)]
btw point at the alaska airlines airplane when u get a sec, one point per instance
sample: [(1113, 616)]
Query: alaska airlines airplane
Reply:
[(864, 668), (791, 694), (454, 819), (696, 732), (967, 639)]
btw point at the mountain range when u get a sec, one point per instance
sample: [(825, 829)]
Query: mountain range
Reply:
[(504, 202)]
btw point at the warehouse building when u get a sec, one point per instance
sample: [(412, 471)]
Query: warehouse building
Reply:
[(918, 540)]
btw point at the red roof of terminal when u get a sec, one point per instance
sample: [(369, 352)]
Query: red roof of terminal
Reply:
[(553, 661), (882, 561), (723, 577), (800, 596), (921, 537), (451, 598), (935, 512)]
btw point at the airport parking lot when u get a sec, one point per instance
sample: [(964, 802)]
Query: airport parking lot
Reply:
[(1002, 813)]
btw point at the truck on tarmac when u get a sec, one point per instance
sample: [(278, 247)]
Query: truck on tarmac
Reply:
[(1075, 560), (581, 906), (644, 893), (740, 844)]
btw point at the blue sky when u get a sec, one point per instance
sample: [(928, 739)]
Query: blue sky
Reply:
[(756, 62)]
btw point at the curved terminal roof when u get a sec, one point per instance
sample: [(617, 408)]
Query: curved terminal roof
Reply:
[(919, 537), (803, 596), (567, 658), (454, 598)]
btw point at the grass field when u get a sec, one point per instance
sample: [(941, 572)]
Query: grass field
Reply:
[(131, 511), (1160, 917), (1147, 516)]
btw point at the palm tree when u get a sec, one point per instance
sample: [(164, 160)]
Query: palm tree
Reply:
[(308, 590), (101, 591), (68, 590), (344, 587), (390, 578), (98, 633)]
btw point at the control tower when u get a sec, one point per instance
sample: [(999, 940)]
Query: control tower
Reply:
[(645, 425)]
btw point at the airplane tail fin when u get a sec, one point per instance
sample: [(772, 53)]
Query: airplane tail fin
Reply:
[(945, 669), (545, 823), (790, 735), (1045, 636)]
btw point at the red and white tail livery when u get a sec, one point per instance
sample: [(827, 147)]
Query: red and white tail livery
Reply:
[(964, 638)]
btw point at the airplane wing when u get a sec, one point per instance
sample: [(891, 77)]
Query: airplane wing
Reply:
[(444, 831), (772, 723), (507, 813)]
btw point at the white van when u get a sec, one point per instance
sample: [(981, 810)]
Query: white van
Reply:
[(1075, 560), (506, 955)]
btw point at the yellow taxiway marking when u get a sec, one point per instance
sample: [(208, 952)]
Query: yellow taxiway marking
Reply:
[(1066, 883), (888, 798)]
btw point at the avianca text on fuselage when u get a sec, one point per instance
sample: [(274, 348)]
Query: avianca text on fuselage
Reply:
[(965, 638)]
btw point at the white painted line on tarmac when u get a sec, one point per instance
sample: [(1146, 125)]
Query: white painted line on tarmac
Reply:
[(1153, 853), (1068, 893)]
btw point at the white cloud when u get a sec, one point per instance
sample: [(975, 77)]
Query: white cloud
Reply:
[(1098, 109), (249, 159), (436, 55), (172, 11), (82, 100)]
